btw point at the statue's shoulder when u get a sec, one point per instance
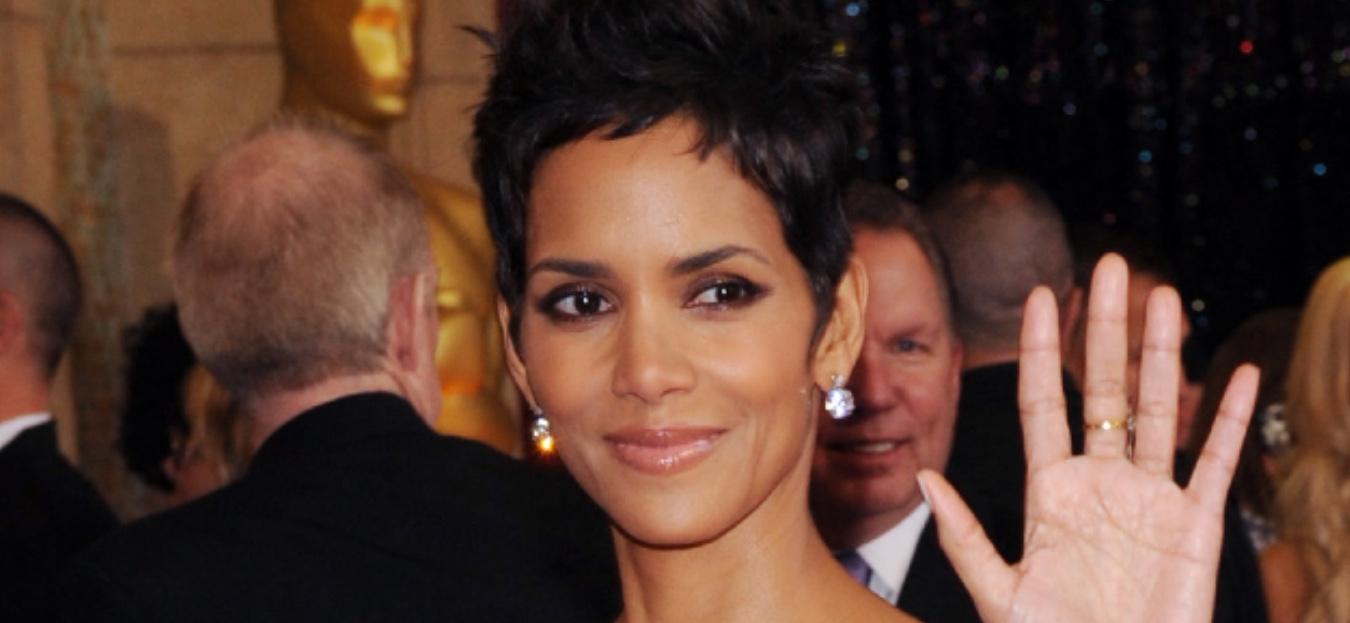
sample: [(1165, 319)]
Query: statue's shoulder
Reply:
[(446, 197), (454, 208)]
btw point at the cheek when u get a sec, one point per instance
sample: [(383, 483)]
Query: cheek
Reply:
[(566, 379), (934, 407), (565, 371), (764, 365)]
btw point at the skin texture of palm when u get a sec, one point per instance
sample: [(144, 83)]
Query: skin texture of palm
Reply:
[(1109, 536)]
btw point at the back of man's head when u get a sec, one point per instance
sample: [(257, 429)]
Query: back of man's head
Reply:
[(38, 270), (1003, 236), (1091, 242), (285, 256)]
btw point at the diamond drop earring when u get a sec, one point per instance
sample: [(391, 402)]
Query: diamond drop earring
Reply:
[(839, 400), (541, 433)]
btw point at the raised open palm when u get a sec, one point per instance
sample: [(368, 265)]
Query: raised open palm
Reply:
[(1109, 536)]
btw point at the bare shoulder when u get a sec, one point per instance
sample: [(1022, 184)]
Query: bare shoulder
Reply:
[(864, 607), (1285, 582)]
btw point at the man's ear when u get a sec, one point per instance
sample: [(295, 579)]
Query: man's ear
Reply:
[(405, 310), (841, 339), (1070, 314), (514, 364), (958, 364), (1073, 333)]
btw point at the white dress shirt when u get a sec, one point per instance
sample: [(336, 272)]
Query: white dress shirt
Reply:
[(13, 427), (890, 554)]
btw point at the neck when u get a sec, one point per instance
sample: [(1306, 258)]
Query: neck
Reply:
[(21, 394), (299, 97), (273, 410), (851, 532), (772, 566)]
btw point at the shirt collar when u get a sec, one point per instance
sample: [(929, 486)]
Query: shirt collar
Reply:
[(890, 554), (336, 425), (15, 426)]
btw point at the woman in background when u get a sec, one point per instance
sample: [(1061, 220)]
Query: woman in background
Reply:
[(1307, 572), (1266, 340), (180, 431)]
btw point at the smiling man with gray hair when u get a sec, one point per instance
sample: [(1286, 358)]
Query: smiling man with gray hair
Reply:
[(306, 286)]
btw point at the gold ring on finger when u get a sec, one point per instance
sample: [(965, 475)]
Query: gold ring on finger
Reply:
[(1125, 423)]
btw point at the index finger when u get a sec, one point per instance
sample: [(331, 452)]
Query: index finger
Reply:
[(1040, 388)]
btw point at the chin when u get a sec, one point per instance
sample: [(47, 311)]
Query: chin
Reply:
[(389, 107), (672, 522), (664, 511), (380, 108)]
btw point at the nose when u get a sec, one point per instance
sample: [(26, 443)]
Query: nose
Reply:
[(872, 388), (651, 364)]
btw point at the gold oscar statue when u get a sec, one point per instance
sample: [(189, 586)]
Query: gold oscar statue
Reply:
[(352, 61)]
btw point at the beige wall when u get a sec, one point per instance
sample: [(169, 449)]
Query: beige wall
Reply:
[(26, 159), (185, 79), (454, 71)]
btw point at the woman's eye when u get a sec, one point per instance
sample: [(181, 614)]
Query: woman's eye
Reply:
[(579, 304), (725, 294)]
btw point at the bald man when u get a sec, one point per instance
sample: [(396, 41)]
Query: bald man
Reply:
[(48, 511), (306, 286), (1003, 236)]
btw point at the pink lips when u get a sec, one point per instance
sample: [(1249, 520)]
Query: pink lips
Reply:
[(663, 450)]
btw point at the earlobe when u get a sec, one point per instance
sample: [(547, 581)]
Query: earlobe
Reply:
[(1073, 308), (514, 364), (841, 341)]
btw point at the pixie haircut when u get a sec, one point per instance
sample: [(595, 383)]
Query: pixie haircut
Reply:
[(761, 87), (37, 265)]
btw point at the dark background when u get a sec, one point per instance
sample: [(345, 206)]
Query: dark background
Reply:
[(1212, 131)]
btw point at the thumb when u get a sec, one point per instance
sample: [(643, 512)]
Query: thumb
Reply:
[(988, 578)]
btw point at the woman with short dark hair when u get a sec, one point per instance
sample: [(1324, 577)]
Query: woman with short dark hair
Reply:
[(662, 180)]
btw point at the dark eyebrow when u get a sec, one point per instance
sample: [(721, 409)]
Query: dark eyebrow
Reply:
[(575, 268), (705, 259)]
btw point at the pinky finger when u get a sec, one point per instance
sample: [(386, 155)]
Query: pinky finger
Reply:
[(1214, 469)]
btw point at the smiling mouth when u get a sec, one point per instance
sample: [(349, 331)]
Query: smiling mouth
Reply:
[(874, 448), (663, 450)]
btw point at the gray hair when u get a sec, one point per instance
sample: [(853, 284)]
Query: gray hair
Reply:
[(1003, 236), (285, 255)]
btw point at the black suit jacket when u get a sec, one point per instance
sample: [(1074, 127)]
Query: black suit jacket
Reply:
[(48, 512), (357, 511), (932, 591), (988, 460)]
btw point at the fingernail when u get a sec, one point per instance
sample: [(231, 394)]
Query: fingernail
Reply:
[(923, 490)]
